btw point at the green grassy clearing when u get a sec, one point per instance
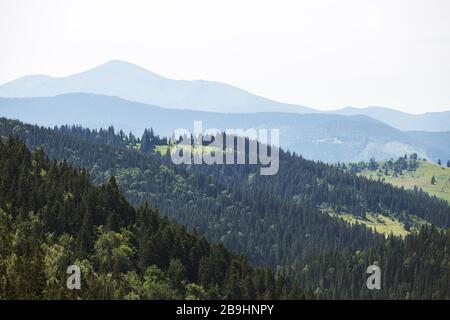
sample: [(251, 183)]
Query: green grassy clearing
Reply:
[(162, 149), (421, 178)]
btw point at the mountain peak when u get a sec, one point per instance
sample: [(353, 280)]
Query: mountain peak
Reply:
[(120, 64), (123, 69)]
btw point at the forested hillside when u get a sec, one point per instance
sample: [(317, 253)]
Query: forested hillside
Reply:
[(273, 225), (268, 228), (285, 207), (52, 217), (417, 267), (328, 185)]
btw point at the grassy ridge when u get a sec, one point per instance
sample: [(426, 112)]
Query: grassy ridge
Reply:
[(421, 178)]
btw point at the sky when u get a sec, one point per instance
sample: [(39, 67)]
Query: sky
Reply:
[(324, 54)]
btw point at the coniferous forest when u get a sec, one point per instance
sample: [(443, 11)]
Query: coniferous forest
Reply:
[(142, 228), (52, 216)]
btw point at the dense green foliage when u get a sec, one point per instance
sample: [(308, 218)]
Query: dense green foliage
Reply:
[(325, 185), (270, 229), (52, 217), (273, 220), (415, 268)]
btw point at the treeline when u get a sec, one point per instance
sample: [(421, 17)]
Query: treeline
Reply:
[(396, 167), (51, 217)]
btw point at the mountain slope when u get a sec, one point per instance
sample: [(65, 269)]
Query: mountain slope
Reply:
[(399, 261), (430, 121), (436, 140), (416, 267), (245, 219), (325, 137), (299, 182), (128, 81), (51, 217)]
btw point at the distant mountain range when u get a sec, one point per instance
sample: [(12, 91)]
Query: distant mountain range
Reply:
[(430, 121), (131, 82), (319, 136), (132, 98)]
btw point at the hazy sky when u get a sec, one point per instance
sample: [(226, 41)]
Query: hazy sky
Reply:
[(323, 54)]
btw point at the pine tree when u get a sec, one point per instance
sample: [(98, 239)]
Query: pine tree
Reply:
[(176, 272), (86, 234), (145, 142), (148, 140), (372, 164)]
